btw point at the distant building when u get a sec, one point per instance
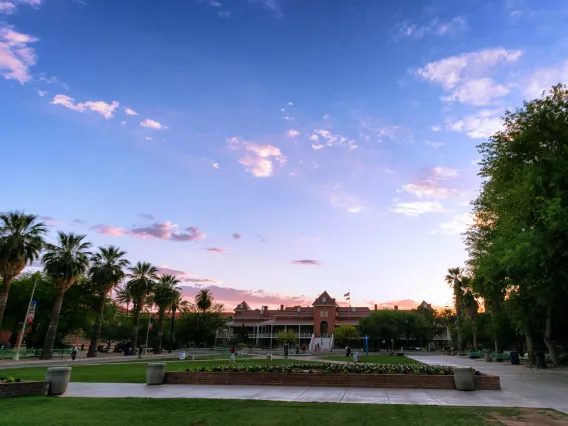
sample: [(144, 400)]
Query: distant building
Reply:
[(314, 325)]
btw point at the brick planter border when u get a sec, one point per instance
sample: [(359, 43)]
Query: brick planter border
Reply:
[(404, 381), (23, 389)]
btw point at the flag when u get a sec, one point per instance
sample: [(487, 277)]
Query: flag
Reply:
[(347, 295)]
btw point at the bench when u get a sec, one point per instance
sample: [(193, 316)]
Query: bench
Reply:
[(495, 356), (475, 354)]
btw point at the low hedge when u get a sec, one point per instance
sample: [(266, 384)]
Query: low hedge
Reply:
[(352, 368)]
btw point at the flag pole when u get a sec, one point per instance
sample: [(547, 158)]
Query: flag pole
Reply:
[(350, 298)]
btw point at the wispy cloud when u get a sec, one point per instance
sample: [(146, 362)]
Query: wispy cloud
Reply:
[(42, 93), (237, 236), (457, 225), (434, 27), (214, 249), (101, 107), (158, 230), (435, 145), (324, 137), (542, 79), (151, 124), (16, 55), (441, 172), (306, 262), (129, 111), (185, 277), (417, 208), (465, 76), (147, 216), (7, 8)]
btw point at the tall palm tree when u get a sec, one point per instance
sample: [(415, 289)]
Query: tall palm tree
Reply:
[(123, 297), (453, 278), (63, 263), (164, 295), (182, 306), (142, 276), (470, 306), (204, 300), (21, 241), (106, 272)]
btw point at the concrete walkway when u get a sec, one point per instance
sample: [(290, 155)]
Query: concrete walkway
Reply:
[(547, 388), (304, 394)]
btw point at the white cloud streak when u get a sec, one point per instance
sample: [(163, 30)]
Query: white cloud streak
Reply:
[(101, 107)]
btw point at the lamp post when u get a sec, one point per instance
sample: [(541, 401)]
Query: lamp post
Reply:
[(366, 345), (150, 325), (17, 354)]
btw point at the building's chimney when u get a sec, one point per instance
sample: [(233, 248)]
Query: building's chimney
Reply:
[(375, 306), (396, 307), (281, 307)]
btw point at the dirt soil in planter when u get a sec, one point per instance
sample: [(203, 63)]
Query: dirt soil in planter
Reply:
[(532, 416)]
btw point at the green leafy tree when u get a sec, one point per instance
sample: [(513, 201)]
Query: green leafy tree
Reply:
[(21, 241), (142, 278), (204, 300), (123, 296), (453, 278), (200, 326), (64, 263), (470, 307), (164, 294), (106, 272), (178, 305), (346, 334), (287, 337)]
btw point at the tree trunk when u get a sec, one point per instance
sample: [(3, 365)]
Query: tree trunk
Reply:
[(172, 330), (530, 349), (160, 333), (47, 352), (474, 332), (97, 329), (136, 322), (6, 283), (548, 337), (495, 318)]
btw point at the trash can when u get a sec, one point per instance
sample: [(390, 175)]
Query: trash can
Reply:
[(359, 356), (540, 359), (155, 373), (463, 378), (355, 356), (487, 356), (515, 360), (182, 355), (58, 379), (286, 349)]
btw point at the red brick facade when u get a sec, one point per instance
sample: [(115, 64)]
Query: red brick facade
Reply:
[(406, 381)]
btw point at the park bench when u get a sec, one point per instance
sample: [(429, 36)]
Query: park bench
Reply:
[(499, 357), (475, 354)]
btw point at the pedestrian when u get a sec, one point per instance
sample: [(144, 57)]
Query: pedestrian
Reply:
[(233, 351), (74, 351), (297, 348), (82, 347), (139, 351)]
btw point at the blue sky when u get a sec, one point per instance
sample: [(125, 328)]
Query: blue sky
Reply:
[(270, 149)]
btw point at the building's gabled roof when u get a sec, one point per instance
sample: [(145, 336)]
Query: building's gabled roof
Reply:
[(324, 299), (243, 306), (426, 305)]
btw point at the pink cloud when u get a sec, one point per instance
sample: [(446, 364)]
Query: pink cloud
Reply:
[(257, 159), (306, 262), (402, 304), (162, 231), (109, 230), (151, 124), (237, 236), (48, 220), (16, 56)]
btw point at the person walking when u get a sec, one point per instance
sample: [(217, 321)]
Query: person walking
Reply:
[(74, 351), (140, 351), (233, 351)]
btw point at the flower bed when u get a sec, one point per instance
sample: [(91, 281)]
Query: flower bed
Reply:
[(329, 375), (16, 387)]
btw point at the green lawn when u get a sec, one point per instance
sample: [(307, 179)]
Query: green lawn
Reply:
[(374, 359), (181, 412), (131, 372)]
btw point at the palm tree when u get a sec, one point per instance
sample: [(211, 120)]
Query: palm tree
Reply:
[(106, 272), (139, 287), (453, 278), (21, 241), (470, 306), (204, 300), (123, 297), (63, 263), (181, 305), (164, 295)]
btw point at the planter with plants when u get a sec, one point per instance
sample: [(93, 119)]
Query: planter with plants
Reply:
[(417, 376), (14, 386)]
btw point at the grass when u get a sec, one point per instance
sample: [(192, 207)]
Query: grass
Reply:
[(374, 359), (164, 412), (131, 372)]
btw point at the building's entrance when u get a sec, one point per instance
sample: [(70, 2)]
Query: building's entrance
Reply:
[(323, 328)]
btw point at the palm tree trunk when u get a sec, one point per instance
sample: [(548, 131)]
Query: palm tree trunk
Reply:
[(6, 283), (97, 329), (548, 337), (136, 322), (160, 334), (47, 352), (172, 330)]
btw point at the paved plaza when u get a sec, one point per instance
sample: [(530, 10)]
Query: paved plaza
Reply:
[(521, 387)]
